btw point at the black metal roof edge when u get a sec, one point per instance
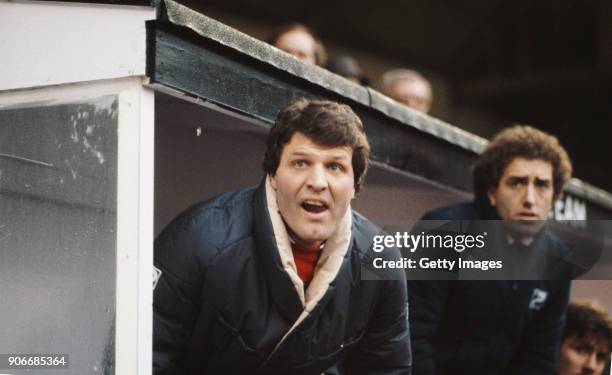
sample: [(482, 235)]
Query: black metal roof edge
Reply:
[(427, 124), (209, 28), (230, 37)]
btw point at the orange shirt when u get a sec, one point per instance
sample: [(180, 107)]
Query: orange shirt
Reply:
[(306, 261)]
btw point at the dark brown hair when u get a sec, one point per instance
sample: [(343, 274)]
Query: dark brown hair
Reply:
[(320, 54), (326, 123), (525, 142), (587, 320)]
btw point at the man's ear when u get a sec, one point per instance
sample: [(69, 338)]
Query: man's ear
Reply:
[(491, 194), (272, 181)]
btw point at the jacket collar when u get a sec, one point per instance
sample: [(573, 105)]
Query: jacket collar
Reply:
[(273, 245), (484, 210), (286, 299)]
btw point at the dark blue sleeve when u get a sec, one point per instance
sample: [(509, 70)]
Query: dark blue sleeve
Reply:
[(539, 345), (427, 307)]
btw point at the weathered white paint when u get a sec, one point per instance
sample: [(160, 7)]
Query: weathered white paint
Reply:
[(133, 347), (146, 176), (48, 43), (69, 92)]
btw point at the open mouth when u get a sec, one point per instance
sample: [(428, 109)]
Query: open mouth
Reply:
[(314, 207)]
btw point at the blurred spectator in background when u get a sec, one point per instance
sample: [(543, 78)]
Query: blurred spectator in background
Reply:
[(408, 87), (297, 40), (347, 67), (587, 340)]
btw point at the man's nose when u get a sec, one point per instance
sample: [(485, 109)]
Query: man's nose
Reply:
[(317, 179), (591, 364), (530, 195)]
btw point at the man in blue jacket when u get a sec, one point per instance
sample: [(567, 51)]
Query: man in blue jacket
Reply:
[(268, 280), (500, 326)]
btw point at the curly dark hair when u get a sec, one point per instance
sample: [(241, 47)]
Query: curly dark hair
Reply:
[(587, 320), (520, 141), (328, 124)]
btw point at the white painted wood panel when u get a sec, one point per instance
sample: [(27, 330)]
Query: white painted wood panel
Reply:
[(50, 43)]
